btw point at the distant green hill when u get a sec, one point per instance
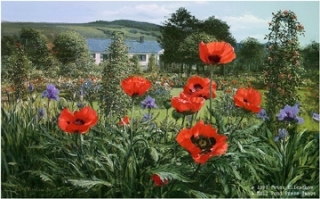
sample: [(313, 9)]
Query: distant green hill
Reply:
[(98, 29)]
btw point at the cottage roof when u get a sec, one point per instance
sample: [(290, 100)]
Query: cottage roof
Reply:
[(100, 45)]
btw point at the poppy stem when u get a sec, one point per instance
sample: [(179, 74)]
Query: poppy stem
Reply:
[(131, 125), (182, 123), (192, 116), (166, 135), (210, 93), (196, 171)]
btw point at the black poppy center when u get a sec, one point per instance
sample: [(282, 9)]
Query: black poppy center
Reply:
[(204, 143), (214, 59), (197, 87), (245, 100), (79, 122)]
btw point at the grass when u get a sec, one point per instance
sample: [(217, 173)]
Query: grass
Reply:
[(308, 124)]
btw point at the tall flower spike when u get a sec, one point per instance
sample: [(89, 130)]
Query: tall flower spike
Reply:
[(216, 53)]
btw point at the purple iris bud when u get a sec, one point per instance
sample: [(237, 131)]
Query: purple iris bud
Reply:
[(289, 113), (149, 103), (81, 92), (31, 88), (282, 134), (263, 115), (146, 117), (51, 92), (80, 105), (41, 113), (315, 117)]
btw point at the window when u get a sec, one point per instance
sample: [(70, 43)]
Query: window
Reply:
[(142, 57), (104, 57), (93, 55)]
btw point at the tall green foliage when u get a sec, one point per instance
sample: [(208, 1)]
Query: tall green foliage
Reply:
[(178, 29), (282, 67), (114, 100), (190, 49), (136, 65), (251, 54), (35, 45), (310, 56), (152, 64), (19, 71), (72, 51), (217, 28), (173, 33)]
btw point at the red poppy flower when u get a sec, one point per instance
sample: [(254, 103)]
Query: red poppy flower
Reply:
[(199, 87), (216, 52), (158, 181), (124, 121), (187, 105), (79, 121), (202, 141), (249, 99), (135, 86)]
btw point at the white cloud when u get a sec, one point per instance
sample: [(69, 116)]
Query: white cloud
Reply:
[(201, 2), (143, 12), (246, 21)]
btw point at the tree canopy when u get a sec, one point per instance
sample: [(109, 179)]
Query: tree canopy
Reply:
[(70, 46), (183, 27)]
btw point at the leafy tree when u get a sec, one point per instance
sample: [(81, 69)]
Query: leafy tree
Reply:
[(152, 64), (9, 45), (180, 26), (136, 65), (19, 67), (282, 67), (69, 46), (251, 54), (217, 28), (310, 56), (190, 49), (114, 100), (35, 44), (173, 32), (9, 48)]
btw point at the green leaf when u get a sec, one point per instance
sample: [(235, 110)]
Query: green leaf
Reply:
[(154, 154), (198, 194), (88, 184), (172, 175)]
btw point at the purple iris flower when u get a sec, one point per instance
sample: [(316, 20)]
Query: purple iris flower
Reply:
[(315, 117), (149, 103), (51, 92), (263, 115), (282, 133), (289, 113)]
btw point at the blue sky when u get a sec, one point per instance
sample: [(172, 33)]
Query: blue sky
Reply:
[(245, 18)]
